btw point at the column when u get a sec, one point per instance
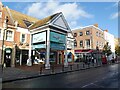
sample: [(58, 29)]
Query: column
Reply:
[(29, 61), (20, 57), (58, 57), (3, 54), (13, 56), (66, 61), (47, 64)]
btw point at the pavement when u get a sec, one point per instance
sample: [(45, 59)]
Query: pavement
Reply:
[(27, 72)]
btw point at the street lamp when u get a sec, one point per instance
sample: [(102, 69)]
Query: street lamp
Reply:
[(2, 54)]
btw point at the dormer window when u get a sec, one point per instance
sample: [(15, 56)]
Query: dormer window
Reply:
[(27, 23)]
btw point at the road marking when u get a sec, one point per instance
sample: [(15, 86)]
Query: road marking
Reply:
[(87, 85)]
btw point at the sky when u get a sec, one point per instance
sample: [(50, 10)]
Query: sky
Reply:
[(77, 14)]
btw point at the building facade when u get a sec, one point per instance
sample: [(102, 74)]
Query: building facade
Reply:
[(111, 41), (14, 36), (26, 37), (49, 39), (70, 47), (88, 40)]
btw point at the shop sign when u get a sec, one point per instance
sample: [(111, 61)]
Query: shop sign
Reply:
[(57, 46), (39, 37), (56, 37), (39, 46), (8, 50)]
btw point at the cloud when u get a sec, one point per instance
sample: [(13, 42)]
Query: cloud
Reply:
[(115, 15), (72, 11)]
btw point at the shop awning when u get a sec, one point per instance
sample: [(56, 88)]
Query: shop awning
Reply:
[(83, 51)]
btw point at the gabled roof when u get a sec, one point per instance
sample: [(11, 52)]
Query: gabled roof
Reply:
[(19, 17), (8, 16), (44, 21)]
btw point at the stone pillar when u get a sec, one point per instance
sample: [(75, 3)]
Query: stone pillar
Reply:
[(47, 64), (66, 60), (29, 61), (0, 57), (58, 58), (20, 57), (3, 54), (13, 56)]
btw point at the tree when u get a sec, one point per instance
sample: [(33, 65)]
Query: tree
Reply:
[(107, 49), (117, 50)]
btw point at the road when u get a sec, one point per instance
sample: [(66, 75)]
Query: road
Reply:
[(102, 77)]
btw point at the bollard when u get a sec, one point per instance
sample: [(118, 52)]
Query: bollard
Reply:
[(62, 67), (40, 69), (77, 66), (70, 67), (83, 65), (88, 65), (52, 68)]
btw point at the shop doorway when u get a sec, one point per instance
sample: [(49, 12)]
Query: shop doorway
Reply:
[(24, 56), (8, 57)]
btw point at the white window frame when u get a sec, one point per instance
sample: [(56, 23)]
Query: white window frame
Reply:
[(21, 37), (86, 43), (12, 34), (0, 14), (81, 43), (86, 32), (0, 34)]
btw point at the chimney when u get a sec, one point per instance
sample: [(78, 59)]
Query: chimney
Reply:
[(106, 30), (96, 25)]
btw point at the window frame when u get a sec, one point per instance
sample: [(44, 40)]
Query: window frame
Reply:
[(12, 35), (75, 35), (80, 33), (87, 31), (89, 43), (75, 42), (21, 38), (0, 33), (0, 14), (80, 43)]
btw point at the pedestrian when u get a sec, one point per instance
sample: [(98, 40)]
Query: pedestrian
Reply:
[(113, 61), (92, 60)]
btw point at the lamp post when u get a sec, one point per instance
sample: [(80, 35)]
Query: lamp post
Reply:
[(2, 54)]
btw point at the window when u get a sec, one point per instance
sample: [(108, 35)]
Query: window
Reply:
[(0, 33), (97, 43), (27, 23), (9, 35), (99, 34), (75, 43), (87, 43), (87, 32), (81, 33), (23, 38), (96, 33), (81, 43), (75, 34), (0, 14)]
